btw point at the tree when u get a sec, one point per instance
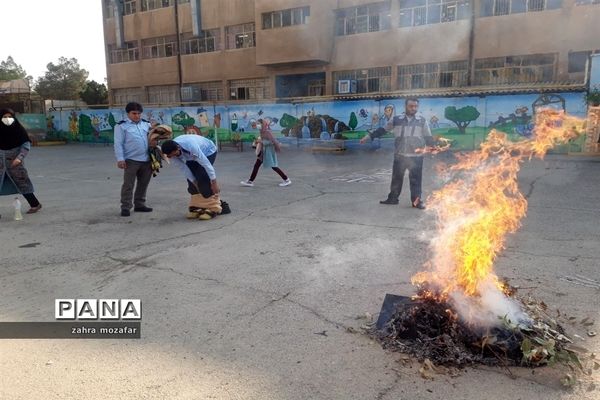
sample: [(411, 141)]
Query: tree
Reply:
[(94, 93), (461, 117), (62, 81), (10, 70), (353, 123)]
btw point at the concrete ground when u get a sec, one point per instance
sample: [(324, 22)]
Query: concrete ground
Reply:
[(268, 302)]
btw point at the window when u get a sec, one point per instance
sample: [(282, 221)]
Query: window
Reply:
[(504, 7), (183, 1), (159, 47), (129, 7), (586, 2), (167, 94), (368, 18), (515, 69), (249, 89), (240, 36), (433, 75), (208, 41), (421, 12), (578, 60), (124, 96), (283, 18), (204, 91), (148, 5), (316, 87), (129, 52), (367, 80)]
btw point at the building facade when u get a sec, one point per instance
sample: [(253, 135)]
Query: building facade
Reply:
[(191, 51)]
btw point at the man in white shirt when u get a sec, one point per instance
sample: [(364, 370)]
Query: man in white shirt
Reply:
[(195, 156)]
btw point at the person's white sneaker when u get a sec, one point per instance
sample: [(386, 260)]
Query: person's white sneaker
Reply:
[(287, 182), (247, 183)]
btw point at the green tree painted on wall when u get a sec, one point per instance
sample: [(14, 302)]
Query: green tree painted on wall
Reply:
[(111, 120), (462, 117), (85, 125), (353, 123), (287, 121)]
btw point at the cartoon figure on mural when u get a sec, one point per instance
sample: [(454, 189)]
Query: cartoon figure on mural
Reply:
[(74, 125), (434, 122), (202, 117), (96, 122), (234, 123), (187, 123), (380, 123)]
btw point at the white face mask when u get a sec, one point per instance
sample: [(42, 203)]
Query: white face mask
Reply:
[(8, 121)]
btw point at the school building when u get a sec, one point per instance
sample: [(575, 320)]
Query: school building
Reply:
[(165, 52)]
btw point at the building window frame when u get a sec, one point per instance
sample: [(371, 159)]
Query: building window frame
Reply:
[(373, 17), (426, 12), (163, 94), (208, 41), (285, 18), (149, 5), (368, 80), (202, 91), (125, 95), (241, 36), (249, 89), (530, 68), (449, 74), (129, 7), (160, 47), (129, 53), (496, 8)]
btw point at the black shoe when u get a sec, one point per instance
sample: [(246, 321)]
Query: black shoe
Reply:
[(225, 207), (142, 209), (418, 204), (125, 212), (388, 201)]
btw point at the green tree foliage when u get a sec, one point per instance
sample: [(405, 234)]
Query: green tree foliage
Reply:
[(10, 70), (353, 123), (94, 93), (62, 81), (462, 117), (182, 118)]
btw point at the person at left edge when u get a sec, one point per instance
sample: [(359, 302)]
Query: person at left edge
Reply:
[(131, 151)]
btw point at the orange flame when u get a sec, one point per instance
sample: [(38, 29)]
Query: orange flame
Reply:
[(481, 204)]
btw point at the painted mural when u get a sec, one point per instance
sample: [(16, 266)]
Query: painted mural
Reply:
[(465, 121)]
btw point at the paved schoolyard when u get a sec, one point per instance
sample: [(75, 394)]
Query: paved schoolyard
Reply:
[(267, 302)]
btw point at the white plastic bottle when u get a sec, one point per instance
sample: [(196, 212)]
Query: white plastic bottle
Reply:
[(17, 206)]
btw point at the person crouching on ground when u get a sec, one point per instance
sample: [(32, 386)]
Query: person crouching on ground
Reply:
[(195, 156), (266, 153)]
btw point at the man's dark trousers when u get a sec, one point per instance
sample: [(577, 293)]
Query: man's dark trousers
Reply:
[(414, 165)]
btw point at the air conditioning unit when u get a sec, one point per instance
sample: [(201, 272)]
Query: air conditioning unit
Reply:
[(346, 86)]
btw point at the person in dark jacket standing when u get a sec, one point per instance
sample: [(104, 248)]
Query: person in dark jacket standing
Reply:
[(131, 151), (14, 146), (412, 133)]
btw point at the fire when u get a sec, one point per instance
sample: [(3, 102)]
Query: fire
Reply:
[(481, 204)]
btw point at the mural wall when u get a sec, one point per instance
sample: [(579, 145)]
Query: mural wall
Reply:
[(465, 121)]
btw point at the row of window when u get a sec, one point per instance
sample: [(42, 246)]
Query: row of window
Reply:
[(488, 71), (237, 37)]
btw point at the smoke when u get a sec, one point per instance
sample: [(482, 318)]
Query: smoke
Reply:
[(489, 309)]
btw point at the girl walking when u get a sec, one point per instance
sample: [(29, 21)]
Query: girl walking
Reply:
[(267, 150)]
